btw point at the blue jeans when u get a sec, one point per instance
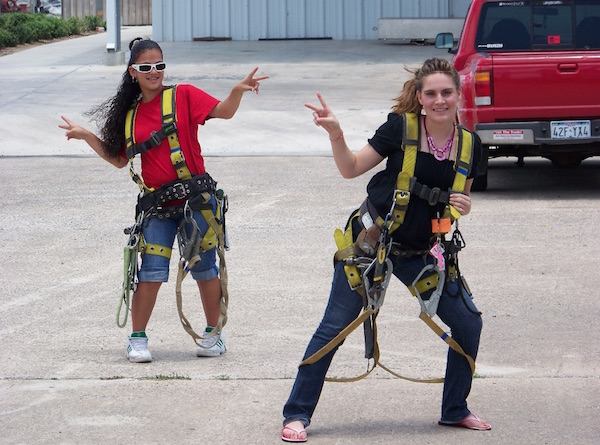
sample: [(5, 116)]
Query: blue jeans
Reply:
[(455, 309), (162, 232)]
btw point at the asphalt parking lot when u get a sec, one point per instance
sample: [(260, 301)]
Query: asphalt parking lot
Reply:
[(531, 259)]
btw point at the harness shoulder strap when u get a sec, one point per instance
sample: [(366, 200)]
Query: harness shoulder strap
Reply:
[(462, 165), (168, 130), (130, 144), (169, 116), (410, 145)]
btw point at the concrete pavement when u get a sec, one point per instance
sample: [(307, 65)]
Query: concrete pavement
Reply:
[(531, 259)]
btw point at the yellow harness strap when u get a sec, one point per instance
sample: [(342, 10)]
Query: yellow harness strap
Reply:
[(462, 165), (425, 284), (158, 250), (345, 244), (410, 145), (169, 117), (167, 101), (130, 142), (448, 339)]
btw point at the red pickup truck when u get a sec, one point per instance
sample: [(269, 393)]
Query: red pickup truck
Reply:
[(530, 73)]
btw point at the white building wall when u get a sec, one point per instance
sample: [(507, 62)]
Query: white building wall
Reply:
[(185, 20)]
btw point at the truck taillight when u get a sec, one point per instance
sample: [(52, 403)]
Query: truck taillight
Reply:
[(483, 88)]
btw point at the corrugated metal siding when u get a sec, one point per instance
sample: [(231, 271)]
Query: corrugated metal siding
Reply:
[(186, 20)]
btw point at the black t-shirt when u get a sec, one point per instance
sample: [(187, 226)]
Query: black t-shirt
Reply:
[(415, 232)]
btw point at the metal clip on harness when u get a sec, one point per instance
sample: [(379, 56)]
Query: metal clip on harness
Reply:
[(430, 305)]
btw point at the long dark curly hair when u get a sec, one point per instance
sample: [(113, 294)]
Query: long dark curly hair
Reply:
[(109, 116)]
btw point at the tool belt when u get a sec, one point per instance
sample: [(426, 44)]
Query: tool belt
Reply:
[(180, 189)]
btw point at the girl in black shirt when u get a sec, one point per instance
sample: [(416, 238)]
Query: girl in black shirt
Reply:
[(433, 94)]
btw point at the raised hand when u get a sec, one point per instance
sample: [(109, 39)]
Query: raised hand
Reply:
[(324, 117), (251, 83), (74, 131)]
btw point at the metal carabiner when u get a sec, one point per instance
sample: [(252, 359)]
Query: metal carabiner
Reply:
[(187, 242), (375, 295), (430, 305)]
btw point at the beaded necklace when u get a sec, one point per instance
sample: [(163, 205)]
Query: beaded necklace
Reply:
[(439, 153)]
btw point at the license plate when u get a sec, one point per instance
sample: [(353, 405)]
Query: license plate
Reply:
[(570, 129)]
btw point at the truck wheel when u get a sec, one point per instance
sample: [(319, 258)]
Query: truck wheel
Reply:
[(479, 183)]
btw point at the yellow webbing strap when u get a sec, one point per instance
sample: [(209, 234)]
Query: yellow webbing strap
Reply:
[(158, 250), (462, 166), (129, 142), (425, 284), (449, 340), (376, 353), (210, 238), (410, 145), (345, 244), (168, 109), (168, 112), (366, 313)]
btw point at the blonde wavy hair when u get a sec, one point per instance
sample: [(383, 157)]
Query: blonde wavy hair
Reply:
[(407, 101)]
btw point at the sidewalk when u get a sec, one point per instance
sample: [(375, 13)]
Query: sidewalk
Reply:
[(531, 259)]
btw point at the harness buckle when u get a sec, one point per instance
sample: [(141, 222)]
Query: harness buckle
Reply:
[(434, 196), (155, 139), (169, 128), (179, 190)]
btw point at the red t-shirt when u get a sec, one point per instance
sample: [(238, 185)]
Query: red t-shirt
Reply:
[(192, 109)]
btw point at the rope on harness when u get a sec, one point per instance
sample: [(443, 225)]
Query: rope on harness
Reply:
[(381, 268), (130, 266), (448, 339), (190, 246)]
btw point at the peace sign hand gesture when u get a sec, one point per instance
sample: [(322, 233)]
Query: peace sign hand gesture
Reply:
[(324, 117), (251, 83)]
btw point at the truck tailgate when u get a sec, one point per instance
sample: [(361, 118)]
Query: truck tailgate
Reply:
[(545, 86)]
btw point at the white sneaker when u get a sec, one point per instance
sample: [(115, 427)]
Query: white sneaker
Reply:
[(137, 350), (210, 348)]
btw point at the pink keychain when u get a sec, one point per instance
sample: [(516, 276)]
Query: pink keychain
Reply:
[(437, 251)]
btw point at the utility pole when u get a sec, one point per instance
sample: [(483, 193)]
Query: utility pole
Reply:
[(114, 55)]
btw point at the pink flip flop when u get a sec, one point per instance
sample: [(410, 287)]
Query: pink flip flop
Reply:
[(297, 439), (471, 422)]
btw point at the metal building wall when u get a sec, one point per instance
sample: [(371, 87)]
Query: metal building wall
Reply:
[(186, 20)]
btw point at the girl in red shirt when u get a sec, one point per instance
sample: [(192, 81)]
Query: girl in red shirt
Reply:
[(142, 85)]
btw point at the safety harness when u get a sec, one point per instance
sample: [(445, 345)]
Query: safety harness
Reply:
[(366, 254), (193, 193)]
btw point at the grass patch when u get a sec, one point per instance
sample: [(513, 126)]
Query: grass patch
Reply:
[(173, 376), (222, 377)]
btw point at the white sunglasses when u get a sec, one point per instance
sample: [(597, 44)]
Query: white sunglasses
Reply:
[(147, 67)]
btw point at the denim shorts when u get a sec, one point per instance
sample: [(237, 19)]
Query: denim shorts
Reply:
[(162, 232)]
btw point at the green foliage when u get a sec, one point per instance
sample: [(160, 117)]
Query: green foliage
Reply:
[(17, 28), (75, 26), (91, 22), (7, 38)]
